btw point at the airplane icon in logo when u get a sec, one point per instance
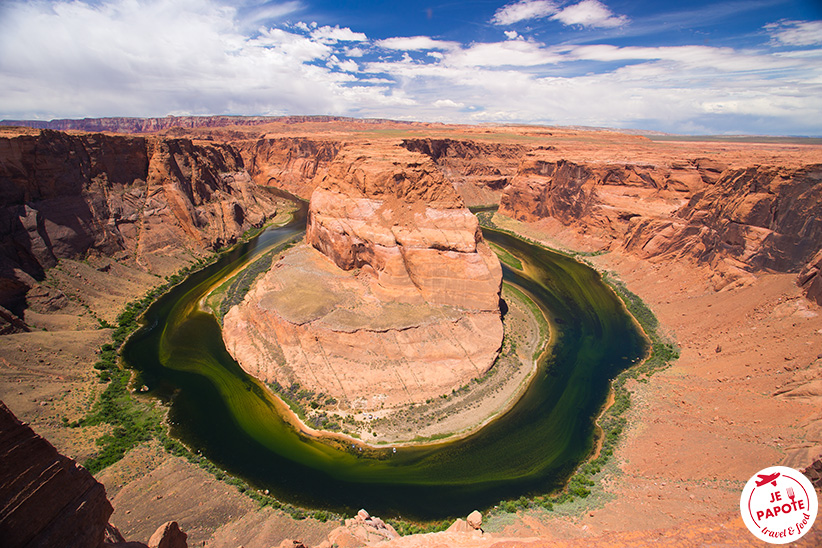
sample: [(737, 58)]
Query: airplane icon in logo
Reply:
[(765, 478)]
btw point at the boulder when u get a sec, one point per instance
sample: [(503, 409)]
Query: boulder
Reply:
[(289, 543), (168, 535), (475, 519), (460, 526), (810, 278)]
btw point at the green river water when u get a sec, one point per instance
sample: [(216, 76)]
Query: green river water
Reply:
[(230, 417)]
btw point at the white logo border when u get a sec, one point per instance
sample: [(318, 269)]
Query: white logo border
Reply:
[(747, 493)]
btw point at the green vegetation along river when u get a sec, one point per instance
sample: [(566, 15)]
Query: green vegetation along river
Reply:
[(217, 409)]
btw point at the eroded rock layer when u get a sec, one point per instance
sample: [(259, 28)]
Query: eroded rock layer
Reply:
[(288, 163), (603, 196), (736, 221), (152, 200), (395, 298), (46, 499), (761, 218), (399, 219), (479, 171)]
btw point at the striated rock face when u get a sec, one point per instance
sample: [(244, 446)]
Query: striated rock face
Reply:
[(308, 322), (400, 220), (749, 220), (394, 300), (599, 200), (736, 221), (479, 171), (143, 199), (46, 499), (288, 163), (562, 190), (810, 278)]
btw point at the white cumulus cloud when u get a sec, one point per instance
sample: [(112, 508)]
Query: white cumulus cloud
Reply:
[(332, 35), (796, 33), (524, 10), (78, 58), (589, 13), (415, 43), (509, 53), (447, 103)]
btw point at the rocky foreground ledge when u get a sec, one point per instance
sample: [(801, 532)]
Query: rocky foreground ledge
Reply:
[(394, 300), (48, 500)]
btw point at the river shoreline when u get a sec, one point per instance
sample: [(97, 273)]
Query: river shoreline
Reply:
[(462, 413), (454, 416), (502, 387)]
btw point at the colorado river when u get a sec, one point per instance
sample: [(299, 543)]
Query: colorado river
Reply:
[(237, 423)]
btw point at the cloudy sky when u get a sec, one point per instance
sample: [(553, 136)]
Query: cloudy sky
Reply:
[(693, 66)]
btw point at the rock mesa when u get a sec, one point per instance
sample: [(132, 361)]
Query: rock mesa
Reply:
[(395, 298)]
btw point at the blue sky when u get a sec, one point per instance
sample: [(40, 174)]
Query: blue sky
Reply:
[(689, 67)]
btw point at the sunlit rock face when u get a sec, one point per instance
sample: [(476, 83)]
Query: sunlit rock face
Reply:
[(398, 218), (737, 222), (393, 299)]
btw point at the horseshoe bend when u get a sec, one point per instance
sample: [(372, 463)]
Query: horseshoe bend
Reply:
[(394, 301)]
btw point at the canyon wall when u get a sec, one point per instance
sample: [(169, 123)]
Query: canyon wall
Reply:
[(154, 201), (394, 299), (478, 170), (586, 193), (759, 218), (736, 221), (153, 125), (288, 163)]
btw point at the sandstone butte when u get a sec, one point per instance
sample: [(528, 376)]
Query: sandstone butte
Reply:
[(394, 299), (719, 238)]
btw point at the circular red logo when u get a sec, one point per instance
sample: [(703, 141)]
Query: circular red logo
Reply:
[(778, 505)]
